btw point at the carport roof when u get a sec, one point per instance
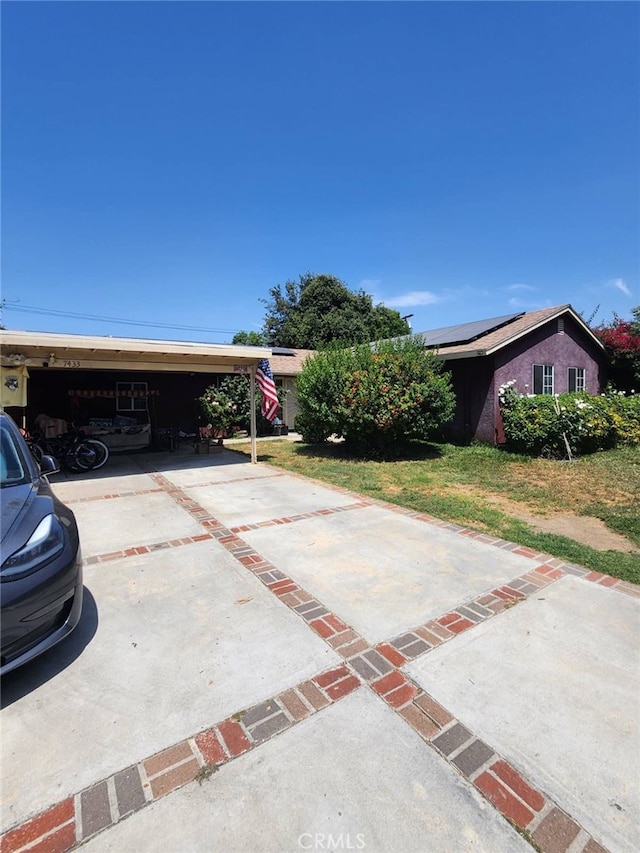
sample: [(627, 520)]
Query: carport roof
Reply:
[(94, 351)]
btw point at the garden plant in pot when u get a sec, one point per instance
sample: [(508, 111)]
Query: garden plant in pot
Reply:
[(219, 412)]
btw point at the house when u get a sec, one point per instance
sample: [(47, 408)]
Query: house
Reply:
[(134, 383), (550, 351)]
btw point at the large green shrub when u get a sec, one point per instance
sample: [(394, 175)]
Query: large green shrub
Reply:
[(375, 397), (540, 424)]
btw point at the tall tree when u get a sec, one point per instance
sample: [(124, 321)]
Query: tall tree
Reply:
[(249, 339), (318, 310)]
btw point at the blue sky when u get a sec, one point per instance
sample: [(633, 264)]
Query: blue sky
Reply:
[(170, 162)]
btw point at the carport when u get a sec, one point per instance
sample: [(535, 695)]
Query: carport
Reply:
[(46, 356)]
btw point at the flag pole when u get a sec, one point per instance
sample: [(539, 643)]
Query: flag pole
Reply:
[(252, 407)]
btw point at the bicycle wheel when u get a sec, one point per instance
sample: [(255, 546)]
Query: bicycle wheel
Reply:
[(101, 450), (84, 455), (77, 462)]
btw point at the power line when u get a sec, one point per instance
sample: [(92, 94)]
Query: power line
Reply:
[(32, 309)]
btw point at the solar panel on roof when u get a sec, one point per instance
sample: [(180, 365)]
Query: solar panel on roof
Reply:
[(463, 333), (282, 351)]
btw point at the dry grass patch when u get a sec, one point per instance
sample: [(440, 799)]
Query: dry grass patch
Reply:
[(586, 511)]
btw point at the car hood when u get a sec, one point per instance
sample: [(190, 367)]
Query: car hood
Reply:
[(22, 507)]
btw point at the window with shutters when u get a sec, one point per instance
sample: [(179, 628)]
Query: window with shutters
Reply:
[(543, 379)]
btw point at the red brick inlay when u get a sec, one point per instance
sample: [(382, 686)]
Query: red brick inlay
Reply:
[(549, 572), (342, 688), (327, 678), (210, 747), (518, 785), (52, 819), (234, 737), (321, 627), (401, 696), (389, 682), (392, 655), (455, 623), (503, 799)]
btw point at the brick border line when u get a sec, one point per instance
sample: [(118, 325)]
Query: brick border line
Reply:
[(362, 501), (145, 549), (519, 588), (79, 817), (130, 494), (532, 811), (109, 801), (289, 519), (522, 550), (417, 641), (493, 776), (135, 493)]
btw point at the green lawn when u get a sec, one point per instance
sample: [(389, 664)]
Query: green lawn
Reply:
[(485, 488)]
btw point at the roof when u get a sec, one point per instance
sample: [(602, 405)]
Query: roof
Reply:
[(100, 351), (465, 332), (499, 335), (288, 362)]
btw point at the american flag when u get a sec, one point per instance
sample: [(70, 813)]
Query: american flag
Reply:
[(264, 378)]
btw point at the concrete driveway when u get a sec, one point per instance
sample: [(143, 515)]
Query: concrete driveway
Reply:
[(265, 663)]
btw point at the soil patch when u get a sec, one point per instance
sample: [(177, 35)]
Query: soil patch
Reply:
[(585, 529)]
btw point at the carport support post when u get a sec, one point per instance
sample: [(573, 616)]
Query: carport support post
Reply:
[(252, 406)]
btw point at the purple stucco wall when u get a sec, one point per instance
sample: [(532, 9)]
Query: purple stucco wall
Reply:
[(476, 380), (472, 380), (547, 346)]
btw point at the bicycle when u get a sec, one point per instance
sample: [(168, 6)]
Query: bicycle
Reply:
[(75, 451)]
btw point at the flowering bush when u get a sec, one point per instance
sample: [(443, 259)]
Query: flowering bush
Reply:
[(229, 405), (621, 339), (376, 398), (220, 409), (539, 424)]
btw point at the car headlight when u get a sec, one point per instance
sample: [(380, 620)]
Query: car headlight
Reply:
[(45, 543)]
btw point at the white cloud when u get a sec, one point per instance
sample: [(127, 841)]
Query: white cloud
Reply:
[(412, 299), (533, 304), (520, 287), (619, 284), (370, 284)]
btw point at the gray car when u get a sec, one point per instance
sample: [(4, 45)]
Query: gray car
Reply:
[(41, 573)]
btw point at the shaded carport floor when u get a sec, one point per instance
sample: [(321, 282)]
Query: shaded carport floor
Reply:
[(190, 634)]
